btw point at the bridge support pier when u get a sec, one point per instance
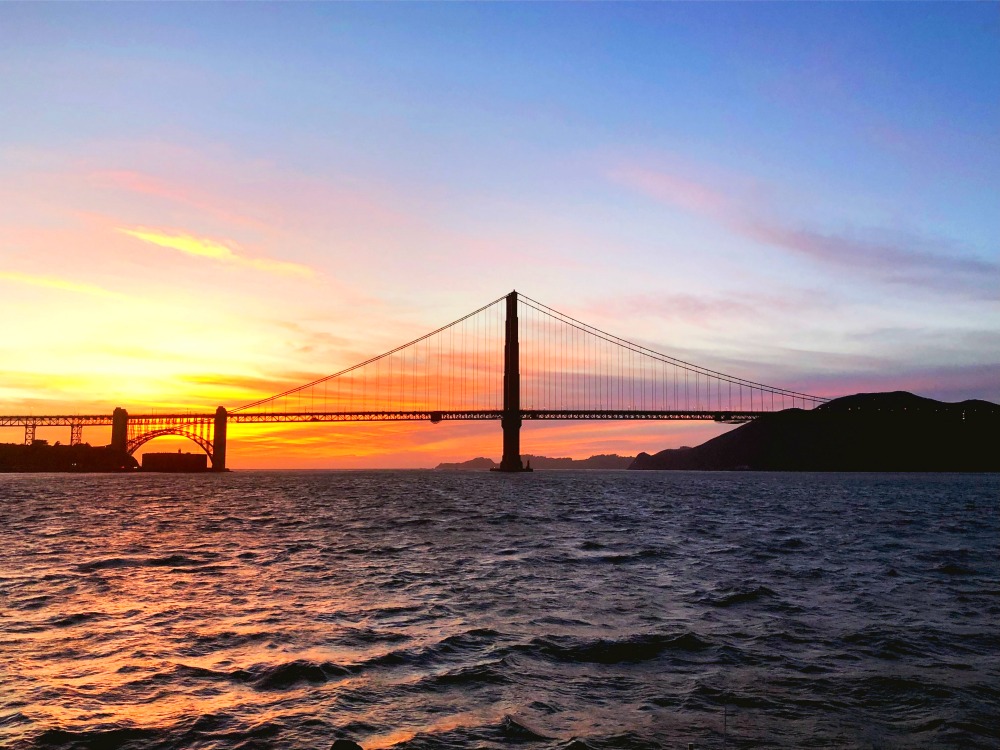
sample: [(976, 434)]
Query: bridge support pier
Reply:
[(511, 419), (219, 440), (511, 460), (119, 430)]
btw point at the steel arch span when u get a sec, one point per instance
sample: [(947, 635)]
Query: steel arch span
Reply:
[(136, 442)]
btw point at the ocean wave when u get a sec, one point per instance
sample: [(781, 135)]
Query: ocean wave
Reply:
[(453, 646), (202, 644), (622, 741), (110, 738), (741, 596), (635, 648), (628, 557), (13, 718), (517, 730), (486, 673), (883, 644), (262, 676), (283, 676), (77, 618), (168, 561)]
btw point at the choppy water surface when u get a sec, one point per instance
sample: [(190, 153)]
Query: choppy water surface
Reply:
[(476, 610)]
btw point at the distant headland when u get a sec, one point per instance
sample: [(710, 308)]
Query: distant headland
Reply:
[(895, 431), (602, 461)]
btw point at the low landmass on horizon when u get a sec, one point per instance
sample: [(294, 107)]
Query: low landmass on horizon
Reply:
[(895, 431), (601, 461)]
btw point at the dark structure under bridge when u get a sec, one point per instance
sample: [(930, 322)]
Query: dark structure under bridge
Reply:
[(512, 360)]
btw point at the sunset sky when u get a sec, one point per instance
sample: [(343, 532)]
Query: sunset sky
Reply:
[(205, 204)]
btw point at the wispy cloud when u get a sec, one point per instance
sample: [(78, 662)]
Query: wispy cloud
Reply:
[(245, 388), (899, 259), (672, 189), (184, 194), (55, 282), (200, 247), (887, 256), (706, 310)]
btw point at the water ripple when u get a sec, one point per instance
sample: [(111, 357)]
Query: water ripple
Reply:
[(560, 611)]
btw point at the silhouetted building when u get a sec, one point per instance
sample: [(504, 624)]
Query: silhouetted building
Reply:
[(177, 462)]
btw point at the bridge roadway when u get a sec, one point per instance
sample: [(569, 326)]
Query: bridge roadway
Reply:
[(95, 420)]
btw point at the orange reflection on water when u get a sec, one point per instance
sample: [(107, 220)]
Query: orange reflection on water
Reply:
[(445, 724)]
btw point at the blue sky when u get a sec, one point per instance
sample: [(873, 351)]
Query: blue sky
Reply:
[(801, 193)]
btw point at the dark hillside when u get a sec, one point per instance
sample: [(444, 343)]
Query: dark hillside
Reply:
[(865, 432)]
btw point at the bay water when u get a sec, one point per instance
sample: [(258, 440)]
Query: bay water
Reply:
[(424, 609)]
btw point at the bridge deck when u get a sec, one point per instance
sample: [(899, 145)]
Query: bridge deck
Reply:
[(57, 420), (66, 420), (494, 414)]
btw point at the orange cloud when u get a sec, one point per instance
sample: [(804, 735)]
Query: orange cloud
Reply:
[(205, 248)]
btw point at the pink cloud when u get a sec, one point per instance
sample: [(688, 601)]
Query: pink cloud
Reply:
[(672, 190), (888, 256), (909, 260)]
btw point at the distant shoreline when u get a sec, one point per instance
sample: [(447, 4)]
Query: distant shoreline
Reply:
[(610, 461), (866, 432)]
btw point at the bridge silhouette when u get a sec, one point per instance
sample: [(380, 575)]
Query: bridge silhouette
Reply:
[(511, 360)]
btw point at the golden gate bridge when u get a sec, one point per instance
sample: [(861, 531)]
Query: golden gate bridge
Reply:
[(511, 360)]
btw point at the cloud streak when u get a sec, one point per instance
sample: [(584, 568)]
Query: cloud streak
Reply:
[(199, 247), (889, 257), (707, 310), (60, 284), (180, 194), (673, 190), (893, 259)]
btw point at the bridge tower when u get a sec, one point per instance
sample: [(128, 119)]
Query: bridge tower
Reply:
[(219, 440), (119, 430), (511, 419)]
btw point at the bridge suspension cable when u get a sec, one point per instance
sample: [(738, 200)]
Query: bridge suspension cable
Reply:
[(567, 364), (457, 367)]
